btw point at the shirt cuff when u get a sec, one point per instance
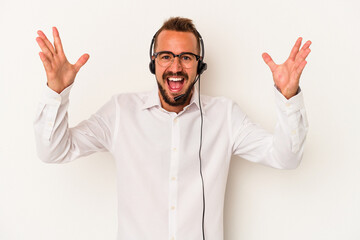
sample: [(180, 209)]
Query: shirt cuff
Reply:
[(291, 105), (51, 97)]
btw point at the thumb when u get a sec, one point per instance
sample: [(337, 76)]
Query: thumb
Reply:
[(268, 60), (82, 60)]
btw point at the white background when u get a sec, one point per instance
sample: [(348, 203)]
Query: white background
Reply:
[(319, 200)]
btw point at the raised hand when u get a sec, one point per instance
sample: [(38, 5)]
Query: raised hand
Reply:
[(287, 75), (59, 72)]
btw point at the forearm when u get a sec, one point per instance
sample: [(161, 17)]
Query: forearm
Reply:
[(57, 143), (290, 131), (51, 127), (284, 148)]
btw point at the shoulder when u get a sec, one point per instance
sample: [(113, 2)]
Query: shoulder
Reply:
[(129, 102), (219, 103), (222, 108), (130, 99)]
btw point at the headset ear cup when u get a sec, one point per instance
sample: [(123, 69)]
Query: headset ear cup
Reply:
[(152, 66), (201, 67)]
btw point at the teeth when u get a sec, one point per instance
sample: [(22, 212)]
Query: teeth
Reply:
[(175, 79)]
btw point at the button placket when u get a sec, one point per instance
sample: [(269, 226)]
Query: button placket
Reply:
[(174, 162)]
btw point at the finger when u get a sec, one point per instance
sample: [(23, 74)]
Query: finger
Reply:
[(82, 60), (46, 40), (301, 67), (305, 54), (44, 48), (302, 55), (304, 50), (45, 61), (295, 49), (57, 42), (306, 45), (268, 60)]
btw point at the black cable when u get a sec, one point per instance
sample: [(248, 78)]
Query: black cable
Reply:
[(202, 179)]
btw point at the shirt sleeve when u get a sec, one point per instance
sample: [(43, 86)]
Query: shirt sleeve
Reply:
[(56, 142), (284, 148)]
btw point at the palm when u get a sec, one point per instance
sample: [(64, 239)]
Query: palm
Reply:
[(59, 72), (62, 71), (287, 75)]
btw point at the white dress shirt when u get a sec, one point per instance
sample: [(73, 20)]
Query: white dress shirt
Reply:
[(156, 155)]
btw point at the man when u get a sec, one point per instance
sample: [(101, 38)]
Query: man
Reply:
[(172, 149)]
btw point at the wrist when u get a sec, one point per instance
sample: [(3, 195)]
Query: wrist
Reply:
[(288, 93), (56, 87)]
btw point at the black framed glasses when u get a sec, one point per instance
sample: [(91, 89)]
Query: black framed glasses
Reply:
[(166, 58)]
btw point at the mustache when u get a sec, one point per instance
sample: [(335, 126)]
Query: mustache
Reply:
[(177, 74)]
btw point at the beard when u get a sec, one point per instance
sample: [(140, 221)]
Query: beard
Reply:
[(170, 99)]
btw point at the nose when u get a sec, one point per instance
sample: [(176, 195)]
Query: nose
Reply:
[(175, 66)]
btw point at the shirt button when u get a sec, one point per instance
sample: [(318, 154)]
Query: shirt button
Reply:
[(172, 207), (172, 238), (288, 104), (293, 132), (174, 149), (173, 178), (175, 120)]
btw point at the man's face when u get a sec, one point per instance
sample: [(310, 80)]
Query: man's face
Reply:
[(175, 80)]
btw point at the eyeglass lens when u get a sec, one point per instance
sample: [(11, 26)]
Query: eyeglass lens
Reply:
[(187, 60)]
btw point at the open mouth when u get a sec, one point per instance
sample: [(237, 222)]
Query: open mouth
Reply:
[(175, 84)]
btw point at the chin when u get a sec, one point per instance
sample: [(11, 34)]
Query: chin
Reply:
[(169, 98)]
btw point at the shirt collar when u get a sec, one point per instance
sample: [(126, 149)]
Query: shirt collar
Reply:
[(153, 100)]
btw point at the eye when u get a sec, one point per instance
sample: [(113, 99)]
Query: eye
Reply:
[(165, 56), (186, 57)]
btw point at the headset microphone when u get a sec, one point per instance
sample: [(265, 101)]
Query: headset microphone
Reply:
[(182, 95), (178, 97)]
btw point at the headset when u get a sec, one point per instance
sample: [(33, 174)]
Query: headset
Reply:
[(202, 66)]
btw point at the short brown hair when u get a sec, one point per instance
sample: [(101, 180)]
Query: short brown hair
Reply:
[(179, 24)]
